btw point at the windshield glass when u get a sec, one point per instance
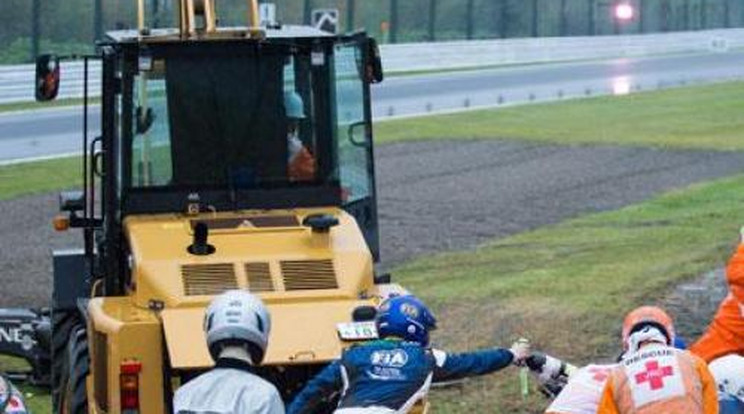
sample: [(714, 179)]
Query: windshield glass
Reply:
[(232, 118)]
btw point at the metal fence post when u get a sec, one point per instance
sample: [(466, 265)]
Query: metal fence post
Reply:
[(641, 16), (307, 12), (503, 14), (592, 17), (154, 11), (563, 18), (727, 14), (393, 21), (35, 28), (98, 20), (469, 18), (350, 12), (535, 20), (432, 20), (703, 14)]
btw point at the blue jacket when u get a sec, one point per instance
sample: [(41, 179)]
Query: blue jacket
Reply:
[(392, 374)]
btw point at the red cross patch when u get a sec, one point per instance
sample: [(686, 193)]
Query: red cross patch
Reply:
[(654, 375)]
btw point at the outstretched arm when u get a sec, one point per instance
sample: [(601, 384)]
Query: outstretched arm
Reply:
[(317, 389), (456, 366)]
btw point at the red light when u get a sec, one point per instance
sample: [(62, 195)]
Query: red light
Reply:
[(130, 367), (129, 392), (624, 11), (129, 385)]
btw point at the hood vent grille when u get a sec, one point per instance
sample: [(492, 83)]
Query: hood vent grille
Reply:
[(208, 279), (259, 277), (308, 275)]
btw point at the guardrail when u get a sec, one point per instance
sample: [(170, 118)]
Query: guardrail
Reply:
[(479, 53), (17, 82)]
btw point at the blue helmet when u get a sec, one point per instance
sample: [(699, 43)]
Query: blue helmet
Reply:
[(405, 317)]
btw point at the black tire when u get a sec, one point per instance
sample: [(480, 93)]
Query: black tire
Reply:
[(73, 396), (63, 323)]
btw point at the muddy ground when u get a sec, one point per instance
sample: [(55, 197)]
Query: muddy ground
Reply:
[(433, 196)]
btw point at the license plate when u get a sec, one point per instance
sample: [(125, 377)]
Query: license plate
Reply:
[(357, 331)]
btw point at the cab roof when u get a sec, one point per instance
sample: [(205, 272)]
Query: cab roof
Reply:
[(222, 33)]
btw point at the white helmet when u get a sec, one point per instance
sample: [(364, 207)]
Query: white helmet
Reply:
[(237, 317), (728, 372)]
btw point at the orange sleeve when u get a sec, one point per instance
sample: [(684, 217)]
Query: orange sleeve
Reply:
[(607, 402), (725, 334), (710, 390), (302, 167), (735, 273)]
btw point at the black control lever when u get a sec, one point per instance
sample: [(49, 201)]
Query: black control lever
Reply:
[(200, 246)]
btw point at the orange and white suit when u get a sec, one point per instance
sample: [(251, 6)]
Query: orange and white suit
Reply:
[(582, 393), (725, 335), (659, 379), (302, 164)]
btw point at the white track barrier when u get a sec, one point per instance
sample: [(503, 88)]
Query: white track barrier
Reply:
[(479, 53), (17, 81)]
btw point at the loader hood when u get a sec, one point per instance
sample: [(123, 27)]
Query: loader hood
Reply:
[(268, 253)]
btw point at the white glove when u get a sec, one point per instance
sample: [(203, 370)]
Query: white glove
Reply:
[(741, 235), (552, 369), (520, 350)]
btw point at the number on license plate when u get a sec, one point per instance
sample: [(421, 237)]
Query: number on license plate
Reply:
[(356, 331)]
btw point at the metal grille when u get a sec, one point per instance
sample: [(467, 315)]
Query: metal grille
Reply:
[(309, 274), (209, 279), (259, 277)]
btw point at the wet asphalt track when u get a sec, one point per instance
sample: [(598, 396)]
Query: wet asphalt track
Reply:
[(434, 196), (57, 131)]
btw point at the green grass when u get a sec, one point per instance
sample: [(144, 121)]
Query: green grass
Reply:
[(567, 286), (36, 177), (38, 400), (700, 117)]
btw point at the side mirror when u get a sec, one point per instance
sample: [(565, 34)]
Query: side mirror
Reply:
[(47, 77), (373, 66)]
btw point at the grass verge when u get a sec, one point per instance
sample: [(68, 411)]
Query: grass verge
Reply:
[(33, 105), (567, 287), (36, 177), (699, 117)]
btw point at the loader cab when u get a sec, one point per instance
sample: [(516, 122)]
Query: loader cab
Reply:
[(213, 125)]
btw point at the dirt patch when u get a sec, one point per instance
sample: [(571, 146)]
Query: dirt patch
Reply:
[(693, 304), (451, 195)]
